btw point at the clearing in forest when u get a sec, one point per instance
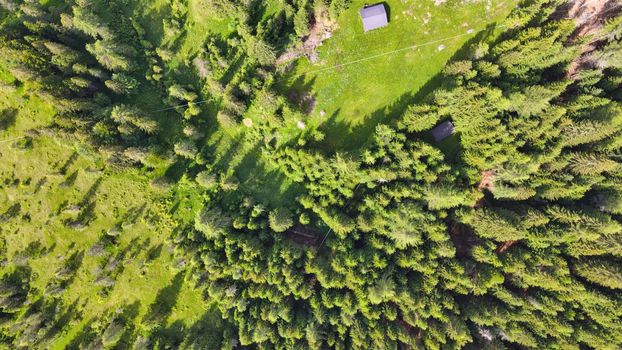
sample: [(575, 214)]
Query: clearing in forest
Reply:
[(352, 96)]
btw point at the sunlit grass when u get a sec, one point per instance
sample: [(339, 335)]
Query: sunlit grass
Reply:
[(356, 96)]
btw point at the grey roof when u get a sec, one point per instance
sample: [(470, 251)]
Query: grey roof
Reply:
[(442, 130), (374, 16)]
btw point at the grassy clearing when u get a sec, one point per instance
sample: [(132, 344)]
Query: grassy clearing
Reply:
[(356, 97), (51, 181)]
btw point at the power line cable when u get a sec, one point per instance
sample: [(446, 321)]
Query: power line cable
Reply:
[(14, 139), (413, 46), (342, 64), (383, 54), (181, 105), (380, 55)]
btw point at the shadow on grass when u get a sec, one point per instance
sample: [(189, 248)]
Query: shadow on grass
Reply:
[(164, 301), (343, 136), (8, 117), (92, 335), (154, 252), (176, 170), (205, 333), (271, 186)]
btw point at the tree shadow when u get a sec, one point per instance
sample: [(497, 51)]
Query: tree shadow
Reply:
[(63, 169), (90, 336), (128, 317), (88, 196), (11, 212), (70, 180), (63, 320), (294, 90), (154, 252), (169, 337), (174, 172), (221, 162), (271, 186), (206, 331), (131, 216), (8, 117), (64, 275), (164, 302), (343, 136)]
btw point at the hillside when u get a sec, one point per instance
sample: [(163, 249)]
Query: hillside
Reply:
[(220, 174)]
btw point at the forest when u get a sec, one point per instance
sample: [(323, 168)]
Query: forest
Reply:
[(247, 174)]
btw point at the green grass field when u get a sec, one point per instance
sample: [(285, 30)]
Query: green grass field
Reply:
[(357, 96)]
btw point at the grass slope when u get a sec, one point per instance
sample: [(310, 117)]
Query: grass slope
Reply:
[(50, 181), (355, 97)]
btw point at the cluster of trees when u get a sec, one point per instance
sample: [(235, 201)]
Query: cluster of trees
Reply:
[(83, 62), (415, 252)]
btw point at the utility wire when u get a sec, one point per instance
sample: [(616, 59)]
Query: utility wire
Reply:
[(181, 105), (343, 64), (411, 47), (15, 139), (415, 46), (380, 55), (384, 54)]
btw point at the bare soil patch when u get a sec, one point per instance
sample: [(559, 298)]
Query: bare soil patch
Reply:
[(505, 246), (590, 15), (488, 179), (321, 29), (302, 235)]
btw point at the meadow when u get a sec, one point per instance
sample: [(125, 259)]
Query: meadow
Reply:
[(363, 79), (47, 184)]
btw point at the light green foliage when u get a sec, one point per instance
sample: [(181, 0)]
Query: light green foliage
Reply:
[(280, 219), (112, 55), (601, 271), (444, 197), (163, 186), (212, 222), (122, 84)]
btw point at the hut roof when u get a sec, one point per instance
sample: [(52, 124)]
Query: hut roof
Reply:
[(442, 131), (374, 16)]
